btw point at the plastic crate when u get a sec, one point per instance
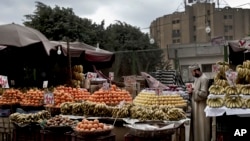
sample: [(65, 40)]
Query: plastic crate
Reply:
[(27, 133), (129, 137), (110, 137), (54, 136)]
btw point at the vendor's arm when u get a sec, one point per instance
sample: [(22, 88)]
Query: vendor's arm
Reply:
[(203, 91)]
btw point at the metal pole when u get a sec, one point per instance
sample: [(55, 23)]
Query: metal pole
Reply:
[(176, 65), (225, 53)]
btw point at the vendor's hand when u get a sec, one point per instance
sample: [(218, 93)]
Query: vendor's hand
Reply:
[(190, 90)]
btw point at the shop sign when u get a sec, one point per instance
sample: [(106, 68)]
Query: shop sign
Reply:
[(49, 98)]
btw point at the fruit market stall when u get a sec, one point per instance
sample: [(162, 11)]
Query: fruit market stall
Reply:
[(229, 96), (63, 112)]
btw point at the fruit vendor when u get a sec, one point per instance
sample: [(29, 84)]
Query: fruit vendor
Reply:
[(200, 124)]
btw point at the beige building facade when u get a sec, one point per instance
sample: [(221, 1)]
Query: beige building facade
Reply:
[(186, 40)]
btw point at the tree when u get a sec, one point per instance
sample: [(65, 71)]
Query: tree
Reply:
[(133, 51), (57, 23)]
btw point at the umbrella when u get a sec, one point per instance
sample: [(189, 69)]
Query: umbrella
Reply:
[(21, 36)]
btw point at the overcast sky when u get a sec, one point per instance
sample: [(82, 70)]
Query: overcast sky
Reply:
[(139, 13)]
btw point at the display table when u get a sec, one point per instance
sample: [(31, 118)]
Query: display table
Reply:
[(215, 112)]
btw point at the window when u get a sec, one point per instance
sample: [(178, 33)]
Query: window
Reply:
[(225, 16), (175, 21), (230, 16), (206, 67), (194, 18), (176, 33), (228, 28), (228, 37), (194, 28), (208, 12), (194, 38)]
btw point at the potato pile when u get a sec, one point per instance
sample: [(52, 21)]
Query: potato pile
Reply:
[(91, 126), (110, 97), (33, 97), (10, 97)]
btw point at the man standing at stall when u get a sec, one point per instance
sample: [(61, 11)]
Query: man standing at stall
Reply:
[(200, 124)]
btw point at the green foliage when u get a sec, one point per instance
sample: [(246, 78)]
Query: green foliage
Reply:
[(133, 51)]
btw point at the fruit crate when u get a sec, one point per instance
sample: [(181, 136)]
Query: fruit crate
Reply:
[(27, 133), (110, 137), (54, 136), (130, 137)]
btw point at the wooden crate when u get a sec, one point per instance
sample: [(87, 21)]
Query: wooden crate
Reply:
[(110, 137), (129, 137), (28, 133), (6, 129), (54, 136)]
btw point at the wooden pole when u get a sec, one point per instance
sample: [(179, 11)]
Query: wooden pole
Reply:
[(69, 62)]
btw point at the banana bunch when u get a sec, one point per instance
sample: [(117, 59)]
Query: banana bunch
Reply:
[(142, 113), (21, 119), (88, 108), (101, 109), (77, 109), (176, 114), (216, 89), (234, 101), (152, 113), (231, 90), (221, 82), (246, 64), (66, 108), (223, 67), (242, 72), (247, 103), (120, 112), (245, 90), (215, 102)]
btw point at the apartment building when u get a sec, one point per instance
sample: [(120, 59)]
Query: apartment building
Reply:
[(185, 36)]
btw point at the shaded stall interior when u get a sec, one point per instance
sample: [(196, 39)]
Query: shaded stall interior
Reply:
[(29, 66)]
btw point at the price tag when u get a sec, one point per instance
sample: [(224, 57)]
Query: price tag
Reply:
[(216, 68), (158, 91), (105, 86), (4, 81), (12, 82), (231, 77), (121, 104), (45, 84), (111, 75), (49, 98)]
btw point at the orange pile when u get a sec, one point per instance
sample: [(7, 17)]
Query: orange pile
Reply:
[(80, 94), (33, 97), (113, 96), (10, 97), (87, 125)]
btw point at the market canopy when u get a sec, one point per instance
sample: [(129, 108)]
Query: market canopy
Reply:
[(16, 35), (239, 50), (92, 54)]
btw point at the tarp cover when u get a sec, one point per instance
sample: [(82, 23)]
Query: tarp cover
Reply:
[(92, 54)]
